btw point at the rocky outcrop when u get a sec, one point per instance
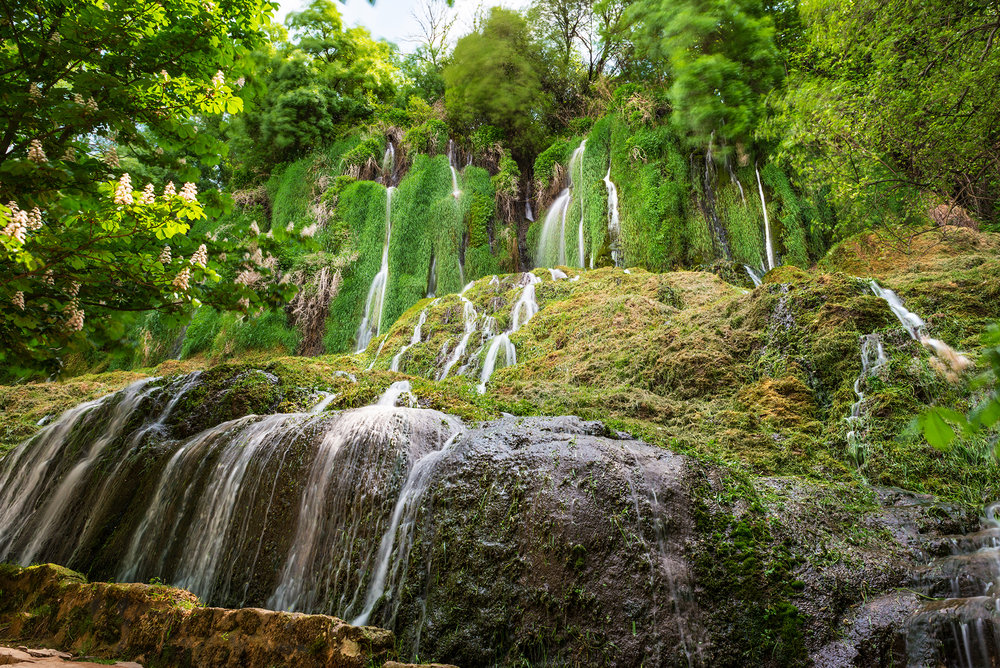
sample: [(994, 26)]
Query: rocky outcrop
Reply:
[(162, 626)]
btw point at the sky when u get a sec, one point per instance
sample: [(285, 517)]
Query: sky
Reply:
[(393, 19)]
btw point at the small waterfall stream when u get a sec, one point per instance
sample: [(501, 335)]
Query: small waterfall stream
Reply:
[(578, 156), (754, 275), (415, 339), (470, 318), (371, 323), (552, 240), (872, 359), (614, 223), (768, 245), (524, 309), (960, 623)]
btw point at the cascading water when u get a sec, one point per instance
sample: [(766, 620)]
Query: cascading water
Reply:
[(767, 223), (415, 339), (872, 359), (550, 250), (552, 240), (346, 512), (371, 323), (614, 223), (959, 623), (524, 309), (389, 164), (754, 275), (470, 317), (32, 470), (455, 192), (917, 329)]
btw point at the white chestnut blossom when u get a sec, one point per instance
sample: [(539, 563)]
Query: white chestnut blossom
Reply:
[(34, 93), (254, 230), (123, 192), (110, 157), (189, 192), (169, 190), (180, 283), (200, 257), (74, 323), (219, 79), (17, 228), (35, 152), (35, 219), (148, 195), (18, 299), (164, 258)]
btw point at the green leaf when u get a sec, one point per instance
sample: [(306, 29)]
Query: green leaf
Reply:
[(937, 432)]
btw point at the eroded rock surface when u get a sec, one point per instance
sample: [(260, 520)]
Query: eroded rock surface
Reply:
[(162, 626)]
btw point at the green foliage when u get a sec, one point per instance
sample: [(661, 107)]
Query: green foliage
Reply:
[(888, 102), (361, 207), (722, 59), (556, 154), (326, 77), (941, 425), (427, 183), (88, 79), (201, 332), (428, 137), (495, 78)]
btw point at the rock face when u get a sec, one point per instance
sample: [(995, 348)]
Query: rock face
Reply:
[(162, 626), (541, 540)]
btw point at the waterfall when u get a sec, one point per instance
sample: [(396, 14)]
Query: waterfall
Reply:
[(388, 163), (872, 359), (578, 155), (524, 309), (403, 520), (32, 470), (917, 329), (432, 278), (754, 275), (528, 214), (550, 250), (553, 235), (470, 317), (371, 323), (556, 274), (767, 223), (614, 224), (958, 623), (415, 339), (390, 398), (361, 513), (455, 192)]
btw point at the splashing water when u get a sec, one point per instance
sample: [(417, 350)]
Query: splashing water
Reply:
[(371, 323), (917, 329), (754, 275), (395, 392)]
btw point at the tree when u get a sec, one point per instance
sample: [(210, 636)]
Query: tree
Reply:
[(722, 59), (322, 78), (494, 78), (892, 102), (83, 81)]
